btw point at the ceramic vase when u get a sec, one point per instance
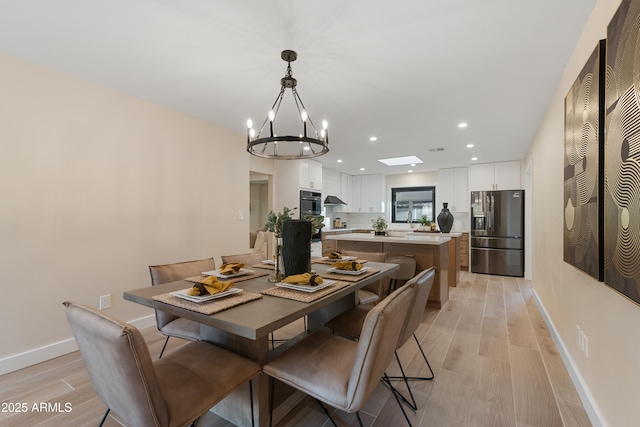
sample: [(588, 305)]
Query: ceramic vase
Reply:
[(445, 219), (296, 247)]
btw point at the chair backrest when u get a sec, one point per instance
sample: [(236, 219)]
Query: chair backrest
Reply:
[(423, 283), (119, 365), (376, 345), (247, 259), (172, 273), (378, 285)]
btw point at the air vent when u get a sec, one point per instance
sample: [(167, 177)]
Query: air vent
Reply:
[(433, 150)]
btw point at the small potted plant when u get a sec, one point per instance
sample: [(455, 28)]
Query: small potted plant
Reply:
[(425, 224), (379, 225)]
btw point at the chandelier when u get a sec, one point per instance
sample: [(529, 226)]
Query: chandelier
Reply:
[(310, 143)]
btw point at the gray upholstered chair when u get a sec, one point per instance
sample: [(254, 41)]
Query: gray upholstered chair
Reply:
[(341, 372), (350, 323), (173, 391), (370, 293), (248, 260), (168, 324)]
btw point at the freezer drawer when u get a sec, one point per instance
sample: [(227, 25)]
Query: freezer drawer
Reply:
[(502, 262), (497, 242)]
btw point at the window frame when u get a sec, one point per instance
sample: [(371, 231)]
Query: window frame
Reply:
[(395, 190)]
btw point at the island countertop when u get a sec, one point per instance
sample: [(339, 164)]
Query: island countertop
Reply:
[(412, 239)]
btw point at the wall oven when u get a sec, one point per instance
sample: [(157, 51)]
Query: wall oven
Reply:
[(311, 204)]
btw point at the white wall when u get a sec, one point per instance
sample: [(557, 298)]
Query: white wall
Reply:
[(95, 186), (610, 374)]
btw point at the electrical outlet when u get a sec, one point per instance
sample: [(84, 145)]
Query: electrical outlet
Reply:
[(240, 214), (105, 302)]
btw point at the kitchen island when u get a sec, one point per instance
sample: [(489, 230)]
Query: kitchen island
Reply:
[(428, 251)]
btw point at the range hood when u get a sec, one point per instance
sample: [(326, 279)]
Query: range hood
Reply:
[(333, 200)]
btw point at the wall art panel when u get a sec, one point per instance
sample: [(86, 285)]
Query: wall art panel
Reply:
[(622, 152), (584, 106)]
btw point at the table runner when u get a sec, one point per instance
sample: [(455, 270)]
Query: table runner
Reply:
[(209, 307), (349, 277), (331, 261), (201, 277), (304, 296), (264, 266)]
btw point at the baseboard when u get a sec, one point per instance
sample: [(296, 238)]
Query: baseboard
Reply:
[(587, 399), (51, 351)]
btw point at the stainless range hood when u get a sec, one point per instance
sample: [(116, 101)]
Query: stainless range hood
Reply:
[(333, 200)]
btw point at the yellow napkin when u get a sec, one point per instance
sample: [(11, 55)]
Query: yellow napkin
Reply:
[(347, 265), (334, 255), (210, 286), (230, 267), (304, 279)]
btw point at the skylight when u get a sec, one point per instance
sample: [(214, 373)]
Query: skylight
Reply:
[(399, 161)]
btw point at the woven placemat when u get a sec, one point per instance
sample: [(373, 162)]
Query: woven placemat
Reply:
[(201, 277), (349, 277), (264, 266), (209, 307), (331, 261), (304, 296)]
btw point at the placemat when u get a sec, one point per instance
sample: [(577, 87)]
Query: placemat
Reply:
[(209, 307), (349, 277), (264, 266), (304, 296), (201, 277), (331, 261)]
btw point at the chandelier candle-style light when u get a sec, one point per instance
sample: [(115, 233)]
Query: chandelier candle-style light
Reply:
[(273, 146)]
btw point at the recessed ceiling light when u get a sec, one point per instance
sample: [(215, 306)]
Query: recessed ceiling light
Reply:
[(410, 171), (469, 145), (339, 160), (474, 158), (399, 161), (373, 138), (413, 165), (361, 169), (462, 125)]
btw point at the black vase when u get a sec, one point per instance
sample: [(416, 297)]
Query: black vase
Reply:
[(296, 247), (445, 219)]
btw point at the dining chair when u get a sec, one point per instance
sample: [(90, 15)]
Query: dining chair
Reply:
[(350, 323), (370, 293), (173, 391), (248, 259), (168, 324), (341, 372)]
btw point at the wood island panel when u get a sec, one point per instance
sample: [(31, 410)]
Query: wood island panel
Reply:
[(425, 255)]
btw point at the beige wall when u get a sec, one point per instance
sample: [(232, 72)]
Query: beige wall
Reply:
[(95, 186), (611, 323)]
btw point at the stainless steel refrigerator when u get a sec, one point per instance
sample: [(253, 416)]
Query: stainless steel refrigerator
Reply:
[(497, 232)]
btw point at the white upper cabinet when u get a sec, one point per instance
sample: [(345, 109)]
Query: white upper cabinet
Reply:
[(495, 176), (453, 188), (365, 193), (310, 174)]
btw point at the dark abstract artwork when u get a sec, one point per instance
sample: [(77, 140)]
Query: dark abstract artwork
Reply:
[(582, 168), (622, 152)]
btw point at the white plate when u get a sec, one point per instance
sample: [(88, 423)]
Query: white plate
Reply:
[(355, 273), (306, 288), (202, 298), (269, 261), (344, 258), (219, 275)]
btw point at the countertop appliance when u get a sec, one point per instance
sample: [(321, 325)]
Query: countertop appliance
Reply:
[(311, 204), (497, 232)]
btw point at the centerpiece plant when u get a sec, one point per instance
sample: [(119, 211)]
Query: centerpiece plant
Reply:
[(275, 224)]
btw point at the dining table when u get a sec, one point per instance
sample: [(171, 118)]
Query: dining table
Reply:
[(264, 308)]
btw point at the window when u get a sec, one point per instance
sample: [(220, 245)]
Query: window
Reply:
[(411, 203)]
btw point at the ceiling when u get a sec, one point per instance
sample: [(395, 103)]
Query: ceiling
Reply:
[(406, 72)]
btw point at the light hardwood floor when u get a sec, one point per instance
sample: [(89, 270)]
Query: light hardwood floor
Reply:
[(493, 356)]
